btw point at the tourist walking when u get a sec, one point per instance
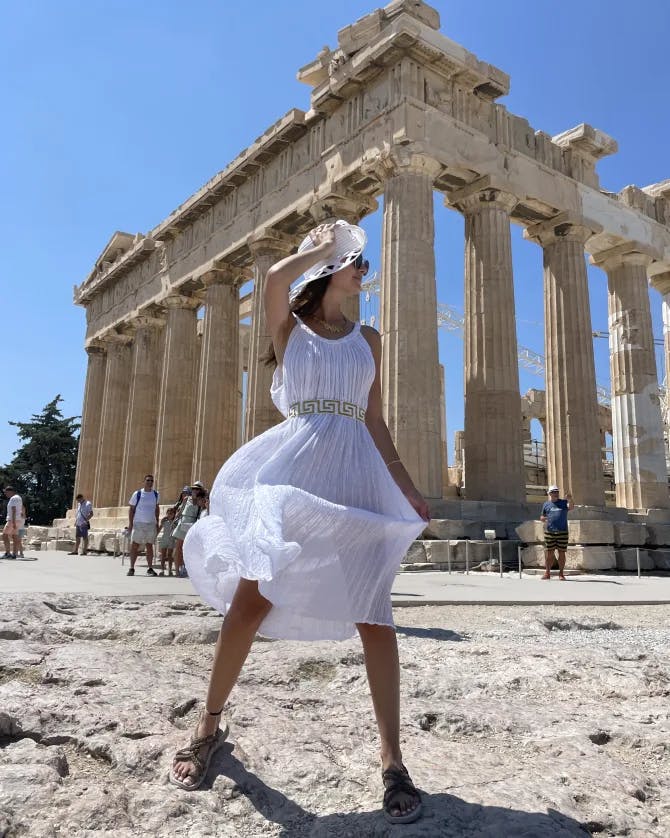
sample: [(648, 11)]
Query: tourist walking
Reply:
[(555, 518), (14, 523), (82, 524), (309, 521), (143, 514)]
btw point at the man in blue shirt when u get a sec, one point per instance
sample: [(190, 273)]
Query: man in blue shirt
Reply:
[(555, 518)]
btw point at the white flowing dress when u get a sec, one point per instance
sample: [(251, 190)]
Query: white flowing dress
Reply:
[(308, 508)]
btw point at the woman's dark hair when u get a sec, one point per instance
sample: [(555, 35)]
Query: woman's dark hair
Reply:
[(306, 303)]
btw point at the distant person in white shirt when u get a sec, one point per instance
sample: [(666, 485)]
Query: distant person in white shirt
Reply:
[(82, 524), (15, 522), (143, 523)]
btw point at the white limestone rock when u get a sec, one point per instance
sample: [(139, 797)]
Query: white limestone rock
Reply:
[(538, 721), (597, 557), (658, 535), (626, 559), (661, 559), (531, 532), (628, 533), (590, 532)]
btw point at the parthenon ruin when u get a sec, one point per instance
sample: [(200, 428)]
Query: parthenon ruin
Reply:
[(397, 111)]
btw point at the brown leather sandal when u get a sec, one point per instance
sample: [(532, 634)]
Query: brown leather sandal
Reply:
[(192, 753), (397, 782)]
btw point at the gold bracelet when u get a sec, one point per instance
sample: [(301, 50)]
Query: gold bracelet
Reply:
[(392, 462)]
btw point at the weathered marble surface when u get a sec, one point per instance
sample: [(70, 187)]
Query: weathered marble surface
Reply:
[(529, 722)]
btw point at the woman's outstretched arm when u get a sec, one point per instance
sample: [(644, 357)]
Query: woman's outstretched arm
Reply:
[(379, 431)]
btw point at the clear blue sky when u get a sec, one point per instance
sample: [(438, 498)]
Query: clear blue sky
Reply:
[(116, 111)]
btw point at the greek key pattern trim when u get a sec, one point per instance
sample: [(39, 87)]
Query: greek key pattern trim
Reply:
[(309, 407)]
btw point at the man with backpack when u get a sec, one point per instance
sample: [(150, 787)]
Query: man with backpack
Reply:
[(143, 515), (82, 523)]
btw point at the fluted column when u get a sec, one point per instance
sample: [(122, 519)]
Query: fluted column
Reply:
[(351, 208), (145, 377), (572, 436), (493, 443), (661, 282), (261, 414), (410, 365), (113, 412), (177, 403), (217, 418), (89, 435), (640, 472)]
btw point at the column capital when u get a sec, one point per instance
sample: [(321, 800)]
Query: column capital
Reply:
[(400, 160), (95, 347), (116, 340), (180, 300), (269, 242), (566, 226), (224, 275), (661, 282), (146, 321), (628, 253), (484, 192), (347, 205)]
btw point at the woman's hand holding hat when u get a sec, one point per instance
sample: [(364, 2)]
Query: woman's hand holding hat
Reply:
[(323, 239)]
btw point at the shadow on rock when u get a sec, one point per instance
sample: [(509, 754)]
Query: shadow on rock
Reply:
[(430, 633), (445, 816)]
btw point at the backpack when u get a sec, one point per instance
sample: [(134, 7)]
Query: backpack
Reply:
[(139, 495)]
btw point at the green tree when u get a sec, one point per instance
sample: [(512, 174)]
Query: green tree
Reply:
[(43, 468)]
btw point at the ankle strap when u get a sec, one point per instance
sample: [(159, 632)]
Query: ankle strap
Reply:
[(209, 712)]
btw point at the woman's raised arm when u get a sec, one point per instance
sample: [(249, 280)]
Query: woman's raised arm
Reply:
[(283, 274)]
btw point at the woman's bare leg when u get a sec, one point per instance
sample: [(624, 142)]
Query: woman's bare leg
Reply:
[(383, 668), (177, 556), (247, 611)]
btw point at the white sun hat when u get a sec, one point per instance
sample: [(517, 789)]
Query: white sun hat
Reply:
[(552, 489), (349, 243)]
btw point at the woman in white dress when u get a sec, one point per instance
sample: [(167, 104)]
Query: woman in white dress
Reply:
[(309, 521)]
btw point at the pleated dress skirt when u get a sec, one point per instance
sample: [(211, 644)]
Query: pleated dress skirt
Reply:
[(308, 508)]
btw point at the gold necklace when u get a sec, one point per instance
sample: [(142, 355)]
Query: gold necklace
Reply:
[(329, 327)]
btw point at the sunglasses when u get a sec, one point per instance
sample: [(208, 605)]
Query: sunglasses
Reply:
[(359, 262)]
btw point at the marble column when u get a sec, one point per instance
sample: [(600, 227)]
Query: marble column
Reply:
[(89, 435), (447, 489), (175, 430), (665, 405), (350, 208), (113, 412), (217, 417), (261, 414), (640, 472), (410, 365), (145, 377), (493, 442), (572, 436), (661, 282)]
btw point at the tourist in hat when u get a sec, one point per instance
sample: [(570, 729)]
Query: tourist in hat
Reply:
[(555, 519), (188, 515), (309, 521)]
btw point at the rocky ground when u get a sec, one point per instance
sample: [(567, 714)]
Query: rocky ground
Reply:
[(525, 722)]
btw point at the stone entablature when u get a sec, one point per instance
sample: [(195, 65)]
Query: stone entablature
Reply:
[(399, 110), (406, 86)]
